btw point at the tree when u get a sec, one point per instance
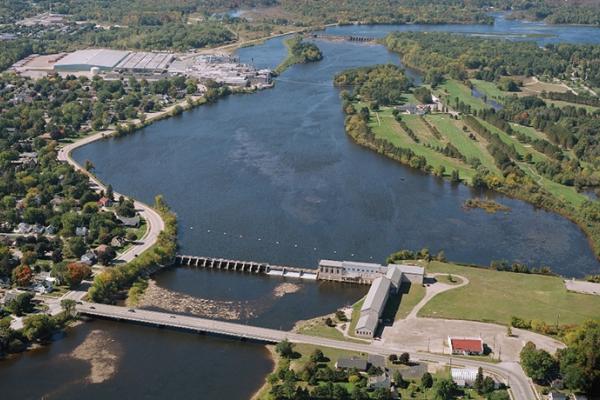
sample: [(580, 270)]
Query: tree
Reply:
[(488, 385), (89, 166), (399, 380), (427, 380), (539, 365), (285, 349), (478, 384), (22, 275), (74, 247), (455, 177), (317, 356), (404, 358), (68, 306), (382, 394), (580, 361), (76, 272), (106, 256), (444, 389), (393, 358), (21, 304), (38, 327)]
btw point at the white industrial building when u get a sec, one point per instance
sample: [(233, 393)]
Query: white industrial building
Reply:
[(85, 60), (366, 273), (379, 292)]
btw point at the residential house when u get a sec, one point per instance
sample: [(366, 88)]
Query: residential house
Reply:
[(132, 222), (105, 202), (117, 242), (379, 381), (10, 296), (357, 363), (88, 258), (81, 231), (376, 360)]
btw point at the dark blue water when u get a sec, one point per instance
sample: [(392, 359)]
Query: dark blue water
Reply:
[(272, 177)]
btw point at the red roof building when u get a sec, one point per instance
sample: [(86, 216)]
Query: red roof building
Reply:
[(466, 346), (105, 202)]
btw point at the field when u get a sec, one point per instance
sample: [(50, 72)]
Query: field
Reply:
[(452, 89), (409, 300), (509, 294), (386, 127), (490, 89)]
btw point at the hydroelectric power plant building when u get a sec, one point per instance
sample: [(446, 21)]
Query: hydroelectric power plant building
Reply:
[(384, 280)]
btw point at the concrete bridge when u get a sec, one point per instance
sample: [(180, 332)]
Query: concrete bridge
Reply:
[(245, 266), (509, 373), (344, 38)]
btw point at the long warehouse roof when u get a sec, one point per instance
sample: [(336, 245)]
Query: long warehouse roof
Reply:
[(93, 58)]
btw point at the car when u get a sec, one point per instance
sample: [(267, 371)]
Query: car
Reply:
[(131, 310), (171, 316), (92, 307)]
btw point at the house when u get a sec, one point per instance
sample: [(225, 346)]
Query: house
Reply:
[(4, 283), (376, 360), (464, 376), (117, 241), (379, 381), (556, 396), (105, 202), (88, 258), (23, 228), (10, 296), (81, 231), (132, 222), (50, 230), (43, 288), (357, 363), (466, 346)]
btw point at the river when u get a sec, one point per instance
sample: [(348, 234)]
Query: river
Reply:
[(272, 177)]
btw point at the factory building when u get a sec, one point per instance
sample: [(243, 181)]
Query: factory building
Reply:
[(85, 60), (383, 280), (145, 63)]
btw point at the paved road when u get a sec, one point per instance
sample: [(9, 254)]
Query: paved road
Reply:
[(511, 373), (153, 219)]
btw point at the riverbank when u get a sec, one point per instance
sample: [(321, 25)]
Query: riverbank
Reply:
[(298, 53)]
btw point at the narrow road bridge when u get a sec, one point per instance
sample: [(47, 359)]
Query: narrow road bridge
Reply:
[(245, 266), (351, 38), (510, 373)]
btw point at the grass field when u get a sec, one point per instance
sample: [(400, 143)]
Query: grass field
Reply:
[(490, 89), (452, 130), (566, 193), (387, 128), (494, 296), (409, 300), (452, 89)]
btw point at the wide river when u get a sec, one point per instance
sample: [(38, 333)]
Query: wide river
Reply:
[(272, 177)]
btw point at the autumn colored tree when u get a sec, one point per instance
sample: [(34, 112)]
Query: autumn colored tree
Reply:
[(76, 272), (22, 275)]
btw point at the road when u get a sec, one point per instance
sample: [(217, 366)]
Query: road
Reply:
[(153, 220), (510, 373)]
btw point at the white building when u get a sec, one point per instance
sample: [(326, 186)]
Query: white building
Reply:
[(464, 376)]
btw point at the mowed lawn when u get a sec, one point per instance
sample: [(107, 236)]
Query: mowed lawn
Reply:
[(494, 296), (453, 89), (387, 128), (490, 89), (469, 148)]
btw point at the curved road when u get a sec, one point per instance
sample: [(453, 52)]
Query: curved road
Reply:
[(153, 220)]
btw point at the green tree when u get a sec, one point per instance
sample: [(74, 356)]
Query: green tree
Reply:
[(285, 349), (317, 356), (538, 364), (427, 380), (444, 389), (580, 361), (74, 247), (38, 327), (21, 304)]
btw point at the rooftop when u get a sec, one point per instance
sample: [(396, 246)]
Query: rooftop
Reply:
[(410, 269), (367, 321), (352, 362), (474, 345), (93, 57), (378, 292)]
